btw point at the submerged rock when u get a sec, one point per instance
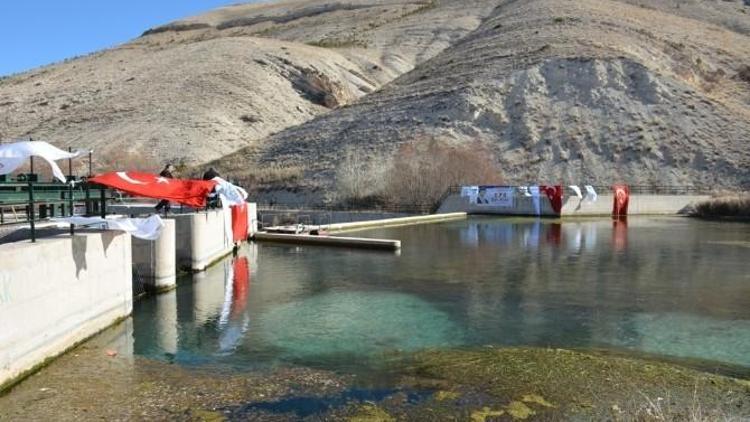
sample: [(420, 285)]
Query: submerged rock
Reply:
[(352, 324)]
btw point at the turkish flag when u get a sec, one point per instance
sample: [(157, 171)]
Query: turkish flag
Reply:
[(192, 193), (555, 195), (622, 199)]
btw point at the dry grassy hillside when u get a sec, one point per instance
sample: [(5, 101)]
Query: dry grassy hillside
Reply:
[(198, 89), (656, 92), (641, 91)]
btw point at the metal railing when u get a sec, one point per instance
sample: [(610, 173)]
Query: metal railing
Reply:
[(391, 208), (634, 189), (25, 201), (24, 205)]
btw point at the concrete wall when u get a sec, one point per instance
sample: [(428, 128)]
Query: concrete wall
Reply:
[(57, 292), (522, 205), (639, 205), (201, 238), (573, 206), (155, 260)]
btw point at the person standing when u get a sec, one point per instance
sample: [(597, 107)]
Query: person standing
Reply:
[(168, 173), (213, 197)]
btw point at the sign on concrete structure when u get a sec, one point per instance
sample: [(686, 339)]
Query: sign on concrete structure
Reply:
[(495, 196)]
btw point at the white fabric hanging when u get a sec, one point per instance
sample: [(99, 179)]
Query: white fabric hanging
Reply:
[(143, 228), (14, 155), (591, 195), (231, 195), (534, 191), (577, 190)]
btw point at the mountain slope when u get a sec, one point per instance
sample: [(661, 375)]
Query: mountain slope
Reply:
[(585, 90), (198, 89)]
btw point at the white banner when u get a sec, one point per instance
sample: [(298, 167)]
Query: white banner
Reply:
[(13, 155), (142, 228), (495, 197)]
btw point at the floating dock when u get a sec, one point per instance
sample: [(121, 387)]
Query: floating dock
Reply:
[(349, 242), (391, 222), (317, 235)]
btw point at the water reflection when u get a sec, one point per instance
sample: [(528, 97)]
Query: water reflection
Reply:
[(675, 287), (620, 234), (205, 316), (234, 320), (165, 322)]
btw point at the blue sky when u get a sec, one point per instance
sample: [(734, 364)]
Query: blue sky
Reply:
[(38, 32)]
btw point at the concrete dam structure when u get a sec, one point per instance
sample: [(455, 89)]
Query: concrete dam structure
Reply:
[(573, 206), (62, 289), (58, 292)]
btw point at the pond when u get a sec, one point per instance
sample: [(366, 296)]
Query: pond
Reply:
[(674, 288)]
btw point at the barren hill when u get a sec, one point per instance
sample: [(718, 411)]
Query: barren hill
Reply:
[(198, 89), (651, 92), (643, 91)]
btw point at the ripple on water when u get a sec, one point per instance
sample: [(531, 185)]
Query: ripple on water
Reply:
[(357, 323)]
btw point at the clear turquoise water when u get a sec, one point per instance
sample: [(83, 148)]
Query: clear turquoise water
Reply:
[(676, 288)]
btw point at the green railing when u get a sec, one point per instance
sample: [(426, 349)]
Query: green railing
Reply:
[(32, 202)]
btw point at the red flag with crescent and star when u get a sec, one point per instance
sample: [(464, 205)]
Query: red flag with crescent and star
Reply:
[(191, 193)]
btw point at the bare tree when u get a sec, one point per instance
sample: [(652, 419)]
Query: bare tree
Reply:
[(425, 168), (360, 175)]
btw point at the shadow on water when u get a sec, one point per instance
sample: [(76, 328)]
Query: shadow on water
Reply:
[(308, 406)]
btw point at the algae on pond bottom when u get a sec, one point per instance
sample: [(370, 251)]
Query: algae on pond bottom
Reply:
[(530, 381)]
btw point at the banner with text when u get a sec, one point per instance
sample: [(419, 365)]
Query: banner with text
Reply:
[(495, 196)]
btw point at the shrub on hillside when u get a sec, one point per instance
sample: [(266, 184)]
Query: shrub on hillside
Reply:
[(416, 176), (360, 177), (270, 176), (116, 160), (744, 73), (725, 205), (424, 169)]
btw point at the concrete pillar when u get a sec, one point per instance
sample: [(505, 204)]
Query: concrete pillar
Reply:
[(155, 261)]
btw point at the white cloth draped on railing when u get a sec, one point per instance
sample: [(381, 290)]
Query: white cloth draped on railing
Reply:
[(143, 228), (230, 194), (12, 156)]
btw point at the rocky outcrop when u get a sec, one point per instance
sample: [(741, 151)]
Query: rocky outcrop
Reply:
[(198, 89), (574, 91), (640, 91)]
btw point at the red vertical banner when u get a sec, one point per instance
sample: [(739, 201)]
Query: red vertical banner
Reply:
[(622, 198), (239, 222), (555, 195)]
